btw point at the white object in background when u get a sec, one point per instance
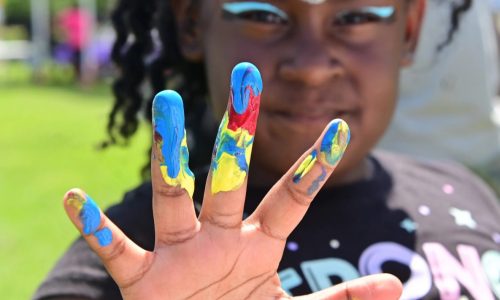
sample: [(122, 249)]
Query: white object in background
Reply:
[(40, 28), (446, 104)]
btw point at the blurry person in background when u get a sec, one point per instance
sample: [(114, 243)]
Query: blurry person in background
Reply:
[(74, 25)]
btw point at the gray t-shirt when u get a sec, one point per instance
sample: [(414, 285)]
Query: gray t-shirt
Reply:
[(432, 224)]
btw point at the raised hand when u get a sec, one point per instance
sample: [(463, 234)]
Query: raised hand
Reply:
[(218, 255)]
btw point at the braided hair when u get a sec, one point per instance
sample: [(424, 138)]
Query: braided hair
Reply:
[(148, 58), (458, 9)]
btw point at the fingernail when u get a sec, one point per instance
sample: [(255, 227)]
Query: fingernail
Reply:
[(305, 166), (233, 145), (170, 144), (90, 216), (335, 142)]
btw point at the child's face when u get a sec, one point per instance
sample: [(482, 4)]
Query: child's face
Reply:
[(319, 61)]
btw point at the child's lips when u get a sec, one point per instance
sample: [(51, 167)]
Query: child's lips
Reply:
[(294, 127), (313, 117)]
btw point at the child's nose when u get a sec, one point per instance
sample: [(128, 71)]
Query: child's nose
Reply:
[(311, 64)]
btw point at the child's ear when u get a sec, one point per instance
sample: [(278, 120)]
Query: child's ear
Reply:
[(187, 19), (416, 11)]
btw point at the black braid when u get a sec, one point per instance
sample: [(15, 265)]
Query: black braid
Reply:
[(142, 59), (456, 13)]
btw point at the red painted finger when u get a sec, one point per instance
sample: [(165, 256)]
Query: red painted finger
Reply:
[(227, 181)]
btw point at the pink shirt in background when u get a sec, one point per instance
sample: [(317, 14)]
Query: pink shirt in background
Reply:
[(76, 25)]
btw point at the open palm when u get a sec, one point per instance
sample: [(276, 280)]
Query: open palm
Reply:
[(218, 255)]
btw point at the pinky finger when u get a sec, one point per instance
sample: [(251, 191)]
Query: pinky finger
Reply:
[(125, 261)]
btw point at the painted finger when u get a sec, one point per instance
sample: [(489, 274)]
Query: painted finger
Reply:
[(173, 181), (373, 287), (287, 202), (124, 260), (227, 181)]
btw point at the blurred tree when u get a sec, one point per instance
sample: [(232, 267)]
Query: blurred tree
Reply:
[(17, 12)]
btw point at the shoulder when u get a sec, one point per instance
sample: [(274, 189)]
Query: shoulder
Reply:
[(401, 165), (437, 179), (424, 171)]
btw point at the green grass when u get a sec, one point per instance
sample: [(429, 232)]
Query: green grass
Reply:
[(47, 146)]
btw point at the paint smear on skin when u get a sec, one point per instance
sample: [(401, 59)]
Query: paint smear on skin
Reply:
[(236, 8), (315, 184), (104, 236), (90, 216), (305, 166), (88, 211), (233, 145), (170, 140), (335, 142)]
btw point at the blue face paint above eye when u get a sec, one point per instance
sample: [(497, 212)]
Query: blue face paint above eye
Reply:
[(364, 15), (383, 12), (236, 8)]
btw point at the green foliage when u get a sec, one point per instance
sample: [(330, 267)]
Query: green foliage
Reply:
[(47, 146), (18, 11)]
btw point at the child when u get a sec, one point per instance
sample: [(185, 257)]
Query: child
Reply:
[(433, 225)]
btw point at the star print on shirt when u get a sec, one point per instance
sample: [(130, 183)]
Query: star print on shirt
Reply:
[(424, 210), (408, 225), (463, 218), (292, 246), (334, 244), (496, 238)]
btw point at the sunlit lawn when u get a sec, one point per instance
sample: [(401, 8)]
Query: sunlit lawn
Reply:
[(47, 145)]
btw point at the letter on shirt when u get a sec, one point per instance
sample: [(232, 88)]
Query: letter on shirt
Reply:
[(448, 272), (420, 282)]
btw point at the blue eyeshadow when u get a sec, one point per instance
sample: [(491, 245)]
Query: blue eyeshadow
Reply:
[(237, 8)]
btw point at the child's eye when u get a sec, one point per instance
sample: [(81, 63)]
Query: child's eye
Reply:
[(259, 12), (262, 17), (364, 15), (355, 18)]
